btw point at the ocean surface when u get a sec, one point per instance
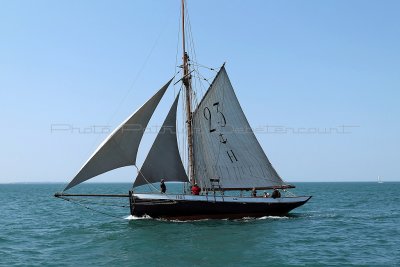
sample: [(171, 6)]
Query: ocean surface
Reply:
[(343, 224)]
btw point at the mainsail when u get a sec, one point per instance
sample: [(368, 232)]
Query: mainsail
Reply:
[(121, 146), (225, 146), (163, 160)]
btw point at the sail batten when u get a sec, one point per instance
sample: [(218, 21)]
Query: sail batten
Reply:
[(120, 148), (225, 147), (163, 160)]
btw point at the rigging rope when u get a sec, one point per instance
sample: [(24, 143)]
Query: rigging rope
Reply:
[(97, 203), (148, 183), (89, 208)]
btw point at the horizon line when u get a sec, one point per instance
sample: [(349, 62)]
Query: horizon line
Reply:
[(122, 182)]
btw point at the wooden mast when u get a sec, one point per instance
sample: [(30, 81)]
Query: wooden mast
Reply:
[(188, 86)]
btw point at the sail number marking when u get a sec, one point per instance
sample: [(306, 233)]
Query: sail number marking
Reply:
[(207, 115), (231, 155), (215, 118), (221, 121)]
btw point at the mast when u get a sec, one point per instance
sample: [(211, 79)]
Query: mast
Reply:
[(188, 86)]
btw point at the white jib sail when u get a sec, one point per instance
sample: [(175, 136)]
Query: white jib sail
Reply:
[(225, 146), (163, 160), (121, 146)]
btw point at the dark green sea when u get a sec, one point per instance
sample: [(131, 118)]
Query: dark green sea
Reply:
[(343, 224)]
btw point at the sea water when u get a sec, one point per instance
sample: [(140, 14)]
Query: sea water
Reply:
[(343, 224)]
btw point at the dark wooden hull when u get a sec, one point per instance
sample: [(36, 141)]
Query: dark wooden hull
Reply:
[(195, 210)]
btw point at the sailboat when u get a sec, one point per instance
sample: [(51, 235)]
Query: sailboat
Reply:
[(379, 180), (225, 159)]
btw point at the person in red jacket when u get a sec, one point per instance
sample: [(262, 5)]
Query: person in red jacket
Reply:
[(195, 189)]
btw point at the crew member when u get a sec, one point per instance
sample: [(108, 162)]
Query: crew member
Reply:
[(163, 187), (276, 193), (254, 192), (195, 189)]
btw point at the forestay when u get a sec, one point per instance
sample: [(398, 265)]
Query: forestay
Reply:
[(121, 146), (163, 160), (225, 146)]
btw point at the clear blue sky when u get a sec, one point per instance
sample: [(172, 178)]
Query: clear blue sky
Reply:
[(300, 65)]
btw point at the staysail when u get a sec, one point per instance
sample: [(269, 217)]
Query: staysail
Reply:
[(163, 160), (121, 146), (225, 146)]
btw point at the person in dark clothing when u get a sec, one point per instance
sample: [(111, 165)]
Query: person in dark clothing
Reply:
[(276, 193), (195, 189), (162, 186), (254, 192)]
